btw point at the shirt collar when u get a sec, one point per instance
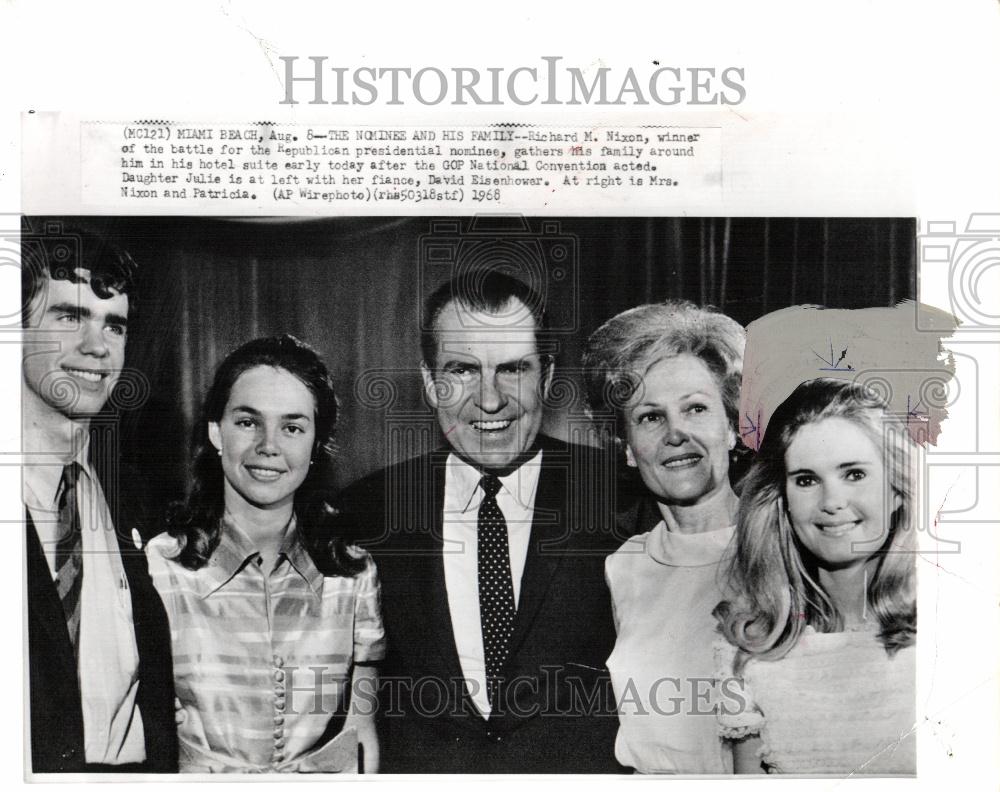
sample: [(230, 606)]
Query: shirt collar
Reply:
[(520, 483), (296, 554), (41, 480), (236, 550)]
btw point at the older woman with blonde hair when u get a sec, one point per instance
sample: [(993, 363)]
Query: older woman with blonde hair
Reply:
[(669, 374)]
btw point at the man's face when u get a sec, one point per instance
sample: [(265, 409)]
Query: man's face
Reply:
[(489, 383), (75, 347)]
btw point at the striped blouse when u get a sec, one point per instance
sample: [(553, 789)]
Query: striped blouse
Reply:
[(262, 662)]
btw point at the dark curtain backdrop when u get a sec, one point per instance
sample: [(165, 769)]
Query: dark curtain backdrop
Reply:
[(352, 287)]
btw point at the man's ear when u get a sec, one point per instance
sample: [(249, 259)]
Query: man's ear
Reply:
[(430, 387), (547, 375), (215, 436)]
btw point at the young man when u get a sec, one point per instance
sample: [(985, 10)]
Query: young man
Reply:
[(100, 676)]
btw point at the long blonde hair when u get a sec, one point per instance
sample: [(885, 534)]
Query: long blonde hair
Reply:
[(778, 591)]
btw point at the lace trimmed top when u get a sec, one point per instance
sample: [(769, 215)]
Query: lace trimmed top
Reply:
[(836, 704)]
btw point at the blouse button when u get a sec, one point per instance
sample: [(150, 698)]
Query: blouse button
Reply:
[(278, 743), (279, 661), (279, 720), (279, 705), (279, 675)]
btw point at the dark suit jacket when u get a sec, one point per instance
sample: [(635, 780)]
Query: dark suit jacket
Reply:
[(557, 711), (56, 709)]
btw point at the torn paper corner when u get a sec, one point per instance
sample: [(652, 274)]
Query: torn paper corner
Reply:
[(898, 352)]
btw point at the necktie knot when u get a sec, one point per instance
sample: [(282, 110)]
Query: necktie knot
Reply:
[(491, 485), (67, 483)]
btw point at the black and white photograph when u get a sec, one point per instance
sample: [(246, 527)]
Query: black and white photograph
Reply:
[(461, 495), (441, 394)]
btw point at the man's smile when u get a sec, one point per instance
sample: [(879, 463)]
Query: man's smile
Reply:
[(88, 375), (492, 426)]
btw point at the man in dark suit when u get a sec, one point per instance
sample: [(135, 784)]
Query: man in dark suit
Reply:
[(491, 555), (100, 675)]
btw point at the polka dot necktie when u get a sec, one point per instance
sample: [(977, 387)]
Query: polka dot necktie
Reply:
[(69, 551), (496, 587)]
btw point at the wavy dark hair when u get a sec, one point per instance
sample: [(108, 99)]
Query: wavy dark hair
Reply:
[(486, 290), (196, 521), (58, 253), (778, 587)]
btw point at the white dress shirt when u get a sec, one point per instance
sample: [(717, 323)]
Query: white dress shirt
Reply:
[(109, 659), (462, 497)]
